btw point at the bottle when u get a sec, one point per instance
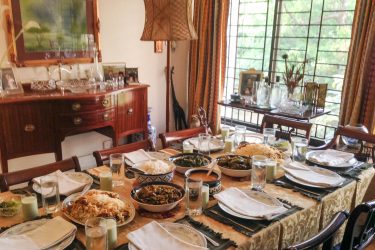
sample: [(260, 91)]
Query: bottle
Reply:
[(151, 129)]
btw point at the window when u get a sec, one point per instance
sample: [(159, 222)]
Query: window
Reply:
[(260, 32)]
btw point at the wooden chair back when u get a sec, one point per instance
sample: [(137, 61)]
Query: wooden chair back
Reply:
[(18, 177), (325, 236), (293, 125), (102, 156), (352, 133), (168, 138), (360, 230)]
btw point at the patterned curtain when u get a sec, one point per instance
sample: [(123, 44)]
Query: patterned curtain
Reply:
[(358, 90), (207, 58)]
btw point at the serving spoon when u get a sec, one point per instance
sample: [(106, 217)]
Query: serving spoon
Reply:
[(211, 167)]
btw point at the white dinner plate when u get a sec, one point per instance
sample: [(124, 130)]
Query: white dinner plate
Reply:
[(77, 176), (157, 155), (182, 232), (316, 153), (217, 143), (251, 138), (31, 225), (259, 196), (301, 182), (68, 202)]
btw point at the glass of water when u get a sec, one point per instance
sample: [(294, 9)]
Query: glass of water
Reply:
[(49, 187), (193, 190), (187, 147), (96, 233), (204, 141), (116, 163), (258, 172), (239, 134), (225, 132), (269, 135), (299, 148)]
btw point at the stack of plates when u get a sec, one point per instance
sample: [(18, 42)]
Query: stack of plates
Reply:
[(317, 157), (215, 144)]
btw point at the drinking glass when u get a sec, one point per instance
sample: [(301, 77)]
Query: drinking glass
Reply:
[(116, 163), (258, 172), (187, 147), (270, 170), (269, 135), (299, 149), (49, 187), (239, 135), (106, 181), (111, 233), (228, 146), (204, 141), (205, 195), (96, 233), (225, 132), (29, 206), (193, 197)]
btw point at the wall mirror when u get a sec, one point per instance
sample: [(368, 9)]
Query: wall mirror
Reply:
[(45, 32)]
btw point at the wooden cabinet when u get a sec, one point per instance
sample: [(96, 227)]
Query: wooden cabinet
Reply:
[(32, 124)]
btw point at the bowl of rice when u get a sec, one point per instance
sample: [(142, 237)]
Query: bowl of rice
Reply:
[(154, 170)]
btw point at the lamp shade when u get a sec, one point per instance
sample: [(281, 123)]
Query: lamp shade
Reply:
[(168, 20)]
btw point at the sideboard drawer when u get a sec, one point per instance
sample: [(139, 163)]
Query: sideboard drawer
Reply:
[(86, 105), (86, 119)]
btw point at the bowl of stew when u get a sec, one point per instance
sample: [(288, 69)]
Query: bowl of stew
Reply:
[(213, 180), (186, 161)]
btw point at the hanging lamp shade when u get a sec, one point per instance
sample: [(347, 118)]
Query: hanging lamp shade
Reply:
[(168, 20)]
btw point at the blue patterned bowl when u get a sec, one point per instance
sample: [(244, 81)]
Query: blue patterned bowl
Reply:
[(145, 178)]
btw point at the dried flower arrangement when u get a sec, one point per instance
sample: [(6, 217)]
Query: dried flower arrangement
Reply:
[(293, 74)]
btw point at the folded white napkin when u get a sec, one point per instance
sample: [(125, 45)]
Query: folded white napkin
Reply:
[(154, 236), (331, 157), (214, 145), (138, 156), (43, 237), (241, 203), (67, 185), (313, 175)]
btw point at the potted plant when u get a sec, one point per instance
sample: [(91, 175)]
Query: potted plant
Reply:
[(293, 74)]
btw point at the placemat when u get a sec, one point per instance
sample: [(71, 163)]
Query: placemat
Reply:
[(244, 226)]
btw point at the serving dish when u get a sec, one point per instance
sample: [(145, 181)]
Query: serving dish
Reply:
[(147, 177), (68, 203), (234, 165), (155, 196), (9, 208), (214, 182), (186, 161)]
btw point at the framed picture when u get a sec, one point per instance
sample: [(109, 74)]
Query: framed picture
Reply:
[(114, 70), (247, 78), (46, 32), (9, 84), (131, 75)]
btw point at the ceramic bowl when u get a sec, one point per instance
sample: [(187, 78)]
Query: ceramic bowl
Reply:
[(214, 186), (233, 172), (183, 169), (144, 178)]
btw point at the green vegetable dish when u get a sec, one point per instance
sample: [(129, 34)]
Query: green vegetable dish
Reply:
[(191, 161), (9, 208), (236, 162)]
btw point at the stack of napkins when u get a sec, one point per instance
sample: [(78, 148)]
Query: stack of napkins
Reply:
[(154, 236), (138, 156), (313, 175), (214, 145), (331, 157), (67, 185), (243, 204), (43, 237)]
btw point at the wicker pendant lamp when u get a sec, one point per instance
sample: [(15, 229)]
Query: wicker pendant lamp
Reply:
[(168, 20)]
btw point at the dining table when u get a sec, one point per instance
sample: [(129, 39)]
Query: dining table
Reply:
[(309, 214)]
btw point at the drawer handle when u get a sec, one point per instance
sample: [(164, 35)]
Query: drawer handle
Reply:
[(29, 128), (106, 117), (105, 103), (77, 120), (76, 106), (130, 111)]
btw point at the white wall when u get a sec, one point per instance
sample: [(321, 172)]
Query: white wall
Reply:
[(121, 28)]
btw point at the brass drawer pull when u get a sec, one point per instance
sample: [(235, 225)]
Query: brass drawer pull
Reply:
[(130, 111), (106, 117), (77, 120), (29, 128), (76, 106), (106, 103)]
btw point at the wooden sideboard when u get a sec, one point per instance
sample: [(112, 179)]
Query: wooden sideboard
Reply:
[(35, 123)]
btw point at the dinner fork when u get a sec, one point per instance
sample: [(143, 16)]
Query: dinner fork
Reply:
[(213, 242)]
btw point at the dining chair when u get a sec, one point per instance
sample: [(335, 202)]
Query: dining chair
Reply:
[(292, 126), (325, 236), (168, 138), (26, 175), (102, 156), (364, 150)]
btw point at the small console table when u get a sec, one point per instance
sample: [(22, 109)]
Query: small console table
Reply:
[(35, 123)]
